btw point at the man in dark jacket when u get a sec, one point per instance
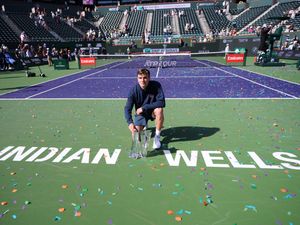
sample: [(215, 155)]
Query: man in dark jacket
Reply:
[(148, 98)]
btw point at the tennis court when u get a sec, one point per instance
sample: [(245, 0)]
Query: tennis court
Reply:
[(230, 148), (184, 78)]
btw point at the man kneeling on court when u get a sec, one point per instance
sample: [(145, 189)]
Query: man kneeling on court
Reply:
[(148, 98)]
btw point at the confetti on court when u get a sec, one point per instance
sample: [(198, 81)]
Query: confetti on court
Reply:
[(283, 190), (251, 207)]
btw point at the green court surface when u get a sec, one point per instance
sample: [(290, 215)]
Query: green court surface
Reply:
[(215, 139)]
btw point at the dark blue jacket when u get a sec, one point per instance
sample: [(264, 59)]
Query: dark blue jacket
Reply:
[(151, 98)]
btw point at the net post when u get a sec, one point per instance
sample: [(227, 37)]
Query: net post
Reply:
[(245, 57), (78, 58)]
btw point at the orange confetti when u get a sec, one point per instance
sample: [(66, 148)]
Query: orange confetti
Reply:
[(77, 213), (61, 210), (202, 168), (14, 190), (178, 218), (4, 203), (170, 212), (286, 171), (64, 186), (283, 190), (254, 176)]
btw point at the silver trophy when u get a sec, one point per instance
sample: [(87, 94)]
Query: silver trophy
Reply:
[(140, 144)]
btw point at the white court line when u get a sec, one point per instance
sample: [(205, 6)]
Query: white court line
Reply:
[(43, 82), (273, 89), (65, 84), (122, 99), (157, 72), (72, 81), (265, 75), (116, 65)]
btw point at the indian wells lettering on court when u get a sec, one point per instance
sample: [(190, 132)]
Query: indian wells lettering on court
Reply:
[(211, 158)]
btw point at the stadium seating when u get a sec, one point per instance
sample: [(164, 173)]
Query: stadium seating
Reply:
[(7, 34), (33, 32), (295, 22), (244, 19), (63, 29), (84, 25), (189, 17), (136, 23), (160, 19), (111, 21), (18, 13), (278, 11), (235, 11), (216, 21)]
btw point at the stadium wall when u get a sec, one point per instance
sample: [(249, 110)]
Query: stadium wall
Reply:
[(251, 43)]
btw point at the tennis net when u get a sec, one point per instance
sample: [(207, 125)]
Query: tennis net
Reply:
[(123, 61)]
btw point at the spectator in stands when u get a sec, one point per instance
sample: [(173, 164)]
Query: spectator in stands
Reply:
[(28, 52), (23, 37), (133, 44), (251, 30), (192, 26), (227, 49), (49, 57), (148, 99), (263, 38), (187, 27), (181, 42), (2, 60)]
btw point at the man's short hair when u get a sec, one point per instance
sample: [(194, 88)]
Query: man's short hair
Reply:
[(143, 72)]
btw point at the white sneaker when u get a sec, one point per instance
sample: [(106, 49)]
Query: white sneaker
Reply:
[(156, 142)]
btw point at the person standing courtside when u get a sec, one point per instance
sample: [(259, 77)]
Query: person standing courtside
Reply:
[(148, 98)]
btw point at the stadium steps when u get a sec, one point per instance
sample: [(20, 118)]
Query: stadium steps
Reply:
[(240, 14), (258, 18), (175, 24), (97, 23), (56, 35), (148, 21), (11, 24), (88, 21), (203, 23), (123, 22), (7, 34), (76, 28)]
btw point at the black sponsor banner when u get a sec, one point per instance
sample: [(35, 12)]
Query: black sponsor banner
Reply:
[(35, 61)]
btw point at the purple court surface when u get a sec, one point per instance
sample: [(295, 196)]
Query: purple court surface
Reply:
[(207, 80)]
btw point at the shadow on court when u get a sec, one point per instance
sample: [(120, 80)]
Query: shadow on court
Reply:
[(176, 134)]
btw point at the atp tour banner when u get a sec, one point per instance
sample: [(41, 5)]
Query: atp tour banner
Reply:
[(211, 158)]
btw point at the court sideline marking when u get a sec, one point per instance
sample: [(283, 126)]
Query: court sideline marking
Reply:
[(80, 78), (251, 81)]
